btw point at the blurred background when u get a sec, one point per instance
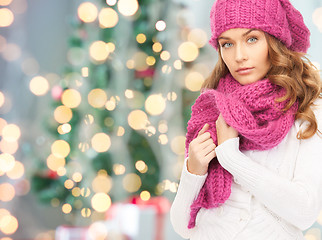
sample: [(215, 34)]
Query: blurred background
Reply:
[(94, 101)]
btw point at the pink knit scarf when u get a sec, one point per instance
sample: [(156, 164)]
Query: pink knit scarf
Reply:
[(253, 112)]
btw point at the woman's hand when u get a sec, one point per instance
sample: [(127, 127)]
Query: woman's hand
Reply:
[(224, 131), (201, 152)]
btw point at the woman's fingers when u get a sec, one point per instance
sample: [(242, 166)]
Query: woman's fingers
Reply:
[(204, 129)]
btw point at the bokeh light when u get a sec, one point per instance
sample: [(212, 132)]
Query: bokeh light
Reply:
[(165, 55), (128, 7), (86, 212), (157, 47), (54, 163), (7, 162), (7, 192), (102, 183), (145, 195), (9, 147), (60, 148), (39, 86), (101, 142), (17, 171), (99, 231), (141, 38), (111, 2), (66, 208), (22, 187), (119, 169), (12, 52), (317, 18), (188, 51), (108, 18), (198, 36), (160, 25), (194, 81), (163, 139), (155, 104), (97, 98), (77, 177), (137, 119), (87, 12), (63, 114), (98, 51), (141, 166), (139, 59), (71, 98), (69, 184), (7, 17), (132, 182), (5, 2), (2, 99), (8, 224), (178, 145), (11, 132), (101, 202)]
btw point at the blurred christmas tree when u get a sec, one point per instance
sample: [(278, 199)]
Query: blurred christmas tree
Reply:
[(121, 106)]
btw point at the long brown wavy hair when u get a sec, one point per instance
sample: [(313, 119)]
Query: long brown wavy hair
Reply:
[(291, 70)]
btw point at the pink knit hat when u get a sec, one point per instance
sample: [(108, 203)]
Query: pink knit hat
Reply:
[(276, 17)]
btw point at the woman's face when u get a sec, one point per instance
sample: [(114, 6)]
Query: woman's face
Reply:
[(245, 53)]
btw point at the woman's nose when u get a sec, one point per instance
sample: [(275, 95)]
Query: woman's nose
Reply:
[(241, 53)]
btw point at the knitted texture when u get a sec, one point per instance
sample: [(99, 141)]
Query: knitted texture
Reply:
[(250, 109), (276, 17)]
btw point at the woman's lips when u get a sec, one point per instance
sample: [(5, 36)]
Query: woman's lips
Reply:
[(244, 71)]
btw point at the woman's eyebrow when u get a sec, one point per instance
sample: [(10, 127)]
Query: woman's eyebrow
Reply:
[(244, 34)]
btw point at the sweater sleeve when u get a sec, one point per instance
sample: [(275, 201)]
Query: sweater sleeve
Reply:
[(188, 191), (298, 201)]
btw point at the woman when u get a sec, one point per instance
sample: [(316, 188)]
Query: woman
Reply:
[(253, 167)]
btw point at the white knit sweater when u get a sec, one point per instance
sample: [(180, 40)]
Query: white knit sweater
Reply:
[(275, 194)]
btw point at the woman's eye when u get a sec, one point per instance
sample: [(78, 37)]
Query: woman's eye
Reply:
[(252, 40), (226, 45)]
